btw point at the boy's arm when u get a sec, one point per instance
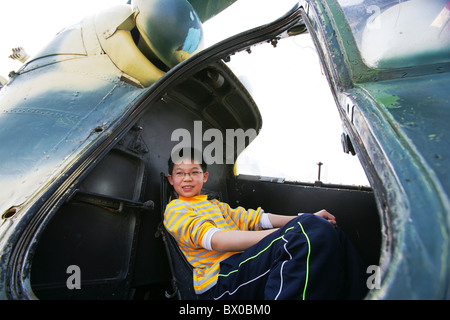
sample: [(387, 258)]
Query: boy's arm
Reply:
[(279, 220), (237, 240)]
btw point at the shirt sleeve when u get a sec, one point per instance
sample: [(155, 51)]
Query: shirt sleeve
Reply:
[(186, 226), (265, 221), (206, 241), (243, 219)]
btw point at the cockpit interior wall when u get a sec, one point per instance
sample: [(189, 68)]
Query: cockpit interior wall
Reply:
[(131, 172)]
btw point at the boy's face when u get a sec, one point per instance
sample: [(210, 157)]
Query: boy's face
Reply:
[(187, 178)]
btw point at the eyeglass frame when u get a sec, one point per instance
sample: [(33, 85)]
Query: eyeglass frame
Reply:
[(192, 175)]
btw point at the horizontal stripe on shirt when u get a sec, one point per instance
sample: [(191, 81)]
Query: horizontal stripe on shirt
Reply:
[(189, 220)]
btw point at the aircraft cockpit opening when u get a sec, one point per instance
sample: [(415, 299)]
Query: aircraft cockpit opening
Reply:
[(224, 110), (146, 163)]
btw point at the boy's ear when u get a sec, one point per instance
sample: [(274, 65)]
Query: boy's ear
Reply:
[(169, 177), (205, 176)]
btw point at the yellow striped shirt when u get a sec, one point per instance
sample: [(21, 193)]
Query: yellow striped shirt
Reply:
[(188, 219)]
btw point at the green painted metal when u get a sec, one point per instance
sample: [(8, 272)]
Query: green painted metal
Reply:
[(397, 118), (60, 106), (208, 9)]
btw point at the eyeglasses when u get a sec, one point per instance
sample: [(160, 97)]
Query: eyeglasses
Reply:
[(182, 175)]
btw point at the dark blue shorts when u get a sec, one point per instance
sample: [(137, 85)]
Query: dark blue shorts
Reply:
[(306, 259)]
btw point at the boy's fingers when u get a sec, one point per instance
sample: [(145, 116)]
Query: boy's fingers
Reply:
[(325, 214)]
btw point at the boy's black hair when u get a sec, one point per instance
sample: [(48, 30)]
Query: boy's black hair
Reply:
[(186, 152)]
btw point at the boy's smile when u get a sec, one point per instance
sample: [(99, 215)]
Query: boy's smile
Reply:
[(187, 178)]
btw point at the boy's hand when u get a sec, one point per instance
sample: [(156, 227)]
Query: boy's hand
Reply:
[(328, 216)]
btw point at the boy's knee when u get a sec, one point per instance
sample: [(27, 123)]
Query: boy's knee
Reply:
[(311, 225), (320, 227), (310, 218)]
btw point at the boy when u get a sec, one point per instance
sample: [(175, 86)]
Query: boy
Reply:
[(250, 254)]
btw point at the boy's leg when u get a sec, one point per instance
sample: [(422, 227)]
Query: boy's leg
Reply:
[(302, 260), (329, 268), (244, 275)]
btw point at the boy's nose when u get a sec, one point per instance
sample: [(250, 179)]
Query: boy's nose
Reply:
[(187, 176)]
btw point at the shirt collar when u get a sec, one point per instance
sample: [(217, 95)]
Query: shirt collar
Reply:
[(198, 198)]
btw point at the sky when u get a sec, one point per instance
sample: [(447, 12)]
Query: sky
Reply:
[(295, 135)]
